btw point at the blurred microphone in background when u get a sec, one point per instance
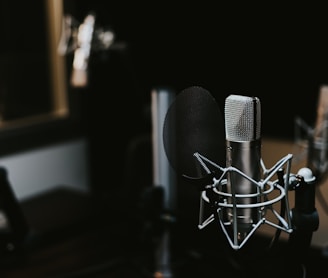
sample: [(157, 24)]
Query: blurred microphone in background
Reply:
[(82, 39), (164, 179), (318, 139), (82, 52)]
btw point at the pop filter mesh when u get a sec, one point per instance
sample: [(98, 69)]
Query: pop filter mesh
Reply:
[(193, 123)]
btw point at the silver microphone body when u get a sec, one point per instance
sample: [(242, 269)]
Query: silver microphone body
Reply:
[(243, 152)]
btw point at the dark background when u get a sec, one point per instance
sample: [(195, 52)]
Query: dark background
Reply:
[(277, 53)]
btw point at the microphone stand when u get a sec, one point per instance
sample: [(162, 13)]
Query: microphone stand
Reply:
[(163, 264), (158, 228), (305, 217)]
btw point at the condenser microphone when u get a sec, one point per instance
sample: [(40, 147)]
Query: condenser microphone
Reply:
[(243, 152), (240, 196), (318, 141)]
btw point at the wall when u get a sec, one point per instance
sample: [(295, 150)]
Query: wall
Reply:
[(38, 170)]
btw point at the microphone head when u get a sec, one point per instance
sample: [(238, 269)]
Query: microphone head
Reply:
[(242, 118)]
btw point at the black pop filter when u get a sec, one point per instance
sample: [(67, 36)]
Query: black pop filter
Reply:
[(193, 123)]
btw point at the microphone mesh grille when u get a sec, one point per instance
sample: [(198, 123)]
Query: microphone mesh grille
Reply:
[(242, 118)]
